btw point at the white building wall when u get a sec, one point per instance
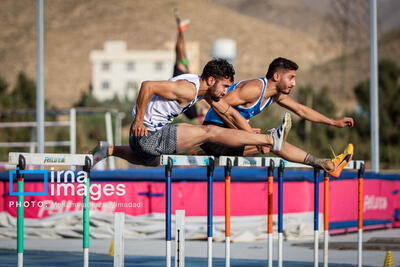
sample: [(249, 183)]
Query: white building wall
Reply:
[(145, 63)]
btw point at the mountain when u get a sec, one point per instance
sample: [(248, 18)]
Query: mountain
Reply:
[(73, 28), (300, 30)]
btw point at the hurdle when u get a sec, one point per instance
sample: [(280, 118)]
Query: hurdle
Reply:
[(228, 169), (169, 161), (316, 213), (46, 159), (360, 211), (263, 162), (270, 209), (326, 217)]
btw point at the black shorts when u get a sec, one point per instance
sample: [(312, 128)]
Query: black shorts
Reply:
[(215, 149)]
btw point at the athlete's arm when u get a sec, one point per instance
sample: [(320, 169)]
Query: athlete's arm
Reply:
[(181, 91), (242, 95), (229, 115), (311, 114)]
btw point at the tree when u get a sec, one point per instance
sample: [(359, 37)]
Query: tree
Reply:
[(389, 113)]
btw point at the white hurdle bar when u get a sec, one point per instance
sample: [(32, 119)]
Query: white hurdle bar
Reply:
[(169, 161), (50, 159), (265, 162)]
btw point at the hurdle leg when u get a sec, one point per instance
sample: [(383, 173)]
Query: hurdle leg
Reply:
[(20, 220), (360, 212), (316, 210), (326, 217), (168, 172), (228, 169), (86, 208), (179, 238), (270, 210), (210, 170), (280, 214), (209, 220), (119, 221)]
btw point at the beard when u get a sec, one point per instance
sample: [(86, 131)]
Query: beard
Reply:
[(215, 98), (283, 91)]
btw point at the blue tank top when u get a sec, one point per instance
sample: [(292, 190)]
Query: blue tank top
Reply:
[(247, 113)]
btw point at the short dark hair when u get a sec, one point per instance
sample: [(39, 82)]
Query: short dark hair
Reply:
[(278, 64), (218, 68)]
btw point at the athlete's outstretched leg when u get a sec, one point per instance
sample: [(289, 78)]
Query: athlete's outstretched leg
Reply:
[(295, 154), (189, 136)]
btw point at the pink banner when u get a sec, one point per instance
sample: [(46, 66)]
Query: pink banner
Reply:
[(381, 198), (128, 197)]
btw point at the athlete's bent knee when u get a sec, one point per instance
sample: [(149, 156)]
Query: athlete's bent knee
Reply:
[(211, 131)]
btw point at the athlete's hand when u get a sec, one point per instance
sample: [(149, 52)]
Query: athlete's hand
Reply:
[(256, 130), (344, 122), (138, 129)]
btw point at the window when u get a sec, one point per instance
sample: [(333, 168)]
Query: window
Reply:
[(131, 85), (130, 66), (105, 66), (158, 65), (105, 85)]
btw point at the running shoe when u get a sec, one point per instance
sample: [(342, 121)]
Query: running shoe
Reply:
[(342, 160), (100, 152), (279, 134), (182, 25)]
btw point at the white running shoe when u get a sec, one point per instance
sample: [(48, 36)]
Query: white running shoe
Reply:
[(100, 152), (279, 134)]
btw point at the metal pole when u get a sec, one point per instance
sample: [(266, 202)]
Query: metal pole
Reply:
[(210, 171), (118, 133), (86, 208), (360, 212), (20, 219), (72, 131), (40, 79), (270, 209), (168, 173), (280, 213), (228, 169), (374, 96), (326, 217), (119, 222), (111, 160), (316, 211), (180, 238)]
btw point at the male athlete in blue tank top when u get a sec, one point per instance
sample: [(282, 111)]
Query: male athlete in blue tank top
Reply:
[(251, 97)]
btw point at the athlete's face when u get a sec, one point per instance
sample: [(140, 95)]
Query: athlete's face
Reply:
[(218, 87), (286, 81)]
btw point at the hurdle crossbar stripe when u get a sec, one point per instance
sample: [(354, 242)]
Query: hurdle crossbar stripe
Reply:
[(186, 160), (265, 162), (52, 159)]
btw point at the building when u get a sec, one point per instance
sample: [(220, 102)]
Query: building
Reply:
[(119, 72)]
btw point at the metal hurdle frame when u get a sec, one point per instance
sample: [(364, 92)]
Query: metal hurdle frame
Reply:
[(21, 160), (228, 169), (169, 161), (273, 162)]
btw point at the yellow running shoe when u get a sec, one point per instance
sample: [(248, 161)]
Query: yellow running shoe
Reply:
[(342, 160)]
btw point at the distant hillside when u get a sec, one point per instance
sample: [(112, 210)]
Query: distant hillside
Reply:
[(342, 74), (73, 28), (263, 30)]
